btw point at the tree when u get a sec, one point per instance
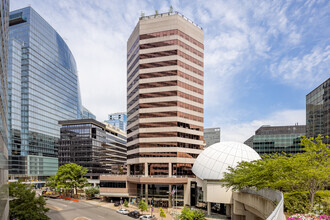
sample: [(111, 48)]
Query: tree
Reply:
[(125, 203), (143, 206), (187, 214), (25, 204), (91, 192), (312, 172), (162, 213), (71, 176), (51, 182), (156, 12), (308, 170)]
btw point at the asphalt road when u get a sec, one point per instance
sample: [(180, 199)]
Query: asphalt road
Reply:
[(68, 210)]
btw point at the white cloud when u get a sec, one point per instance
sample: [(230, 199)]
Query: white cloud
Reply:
[(304, 71), (242, 131)]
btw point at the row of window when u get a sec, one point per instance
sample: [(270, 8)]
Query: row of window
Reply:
[(170, 33)]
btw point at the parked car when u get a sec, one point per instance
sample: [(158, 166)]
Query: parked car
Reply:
[(147, 217), (123, 211), (117, 204), (134, 214)]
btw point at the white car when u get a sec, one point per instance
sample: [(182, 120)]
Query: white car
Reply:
[(147, 217), (123, 211)]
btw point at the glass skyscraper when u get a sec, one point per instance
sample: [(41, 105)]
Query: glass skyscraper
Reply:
[(318, 111), (43, 89), (4, 14)]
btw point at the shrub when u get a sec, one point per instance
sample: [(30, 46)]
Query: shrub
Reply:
[(298, 202), (187, 214), (126, 203), (91, 192)]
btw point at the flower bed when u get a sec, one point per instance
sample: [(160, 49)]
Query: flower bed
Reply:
[(308, 216)]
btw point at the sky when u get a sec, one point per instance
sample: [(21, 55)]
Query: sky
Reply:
[(261, 57)]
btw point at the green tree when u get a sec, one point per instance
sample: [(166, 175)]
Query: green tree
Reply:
[(305, 171), (156, 12), (51, 182), (187, 214), (91, 192), (125, 203), (162, 213), (313, 166), (71, 176), (142, 206), (25, 204)]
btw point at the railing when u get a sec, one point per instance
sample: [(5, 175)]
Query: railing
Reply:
[(273, 195), (167, 14)]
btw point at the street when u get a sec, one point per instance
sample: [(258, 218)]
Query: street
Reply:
[(64, 209)]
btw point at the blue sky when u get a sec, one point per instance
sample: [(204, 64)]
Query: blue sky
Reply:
[(261, 57)]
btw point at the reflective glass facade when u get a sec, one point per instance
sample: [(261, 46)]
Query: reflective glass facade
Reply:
[(318, 111), (43, 89), (87, 114), (91, 144), (277, 139), (211, 136), (119, 120), (4, 15)]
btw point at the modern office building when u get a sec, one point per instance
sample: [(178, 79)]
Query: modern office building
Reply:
[(4, 15), (87, 114), (211, 136), (164, 110), (94, 145), (277, 139), (118, 119), (318, 111), (43, 89)]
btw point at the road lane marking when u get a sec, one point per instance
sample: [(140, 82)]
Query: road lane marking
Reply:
[(53, 207)]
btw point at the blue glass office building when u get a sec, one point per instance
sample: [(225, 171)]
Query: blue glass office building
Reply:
[(4, 15), (118, 120), (43, 89)]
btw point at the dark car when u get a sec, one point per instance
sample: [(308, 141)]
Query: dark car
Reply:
[(134, 214), (117, 203)]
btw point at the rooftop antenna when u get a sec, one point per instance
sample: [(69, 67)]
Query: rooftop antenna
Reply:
[(171, 9)]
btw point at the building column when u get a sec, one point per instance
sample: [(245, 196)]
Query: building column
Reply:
[(186, 193), (169, 169), (228, 210), (146, 194), (146, 169), (208, 208), (169, 196), (128, 169)]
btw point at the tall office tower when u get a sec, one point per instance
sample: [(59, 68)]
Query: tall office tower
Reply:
[(318, 111), (211, 136), (94, 145), (118, 119), (43, 89), (277, 139), (4, 14), (164, 106)]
